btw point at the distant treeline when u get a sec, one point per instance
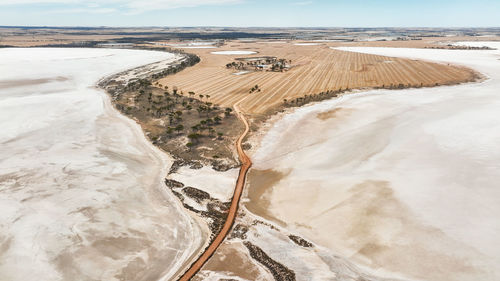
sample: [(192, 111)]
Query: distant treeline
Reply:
[(190, 60), (194, 35), (85, 44), (58, 27)]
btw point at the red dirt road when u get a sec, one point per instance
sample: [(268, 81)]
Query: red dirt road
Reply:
[(246, 163)]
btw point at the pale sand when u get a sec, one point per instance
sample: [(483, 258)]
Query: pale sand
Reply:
[(241, 72), (220, 185), (196, 47), (272, 42), (494, 45), (81, 188), (234, 52), (307, 44), (403, 183), (232, 261)]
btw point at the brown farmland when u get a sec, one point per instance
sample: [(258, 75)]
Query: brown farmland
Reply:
[(314, 69)]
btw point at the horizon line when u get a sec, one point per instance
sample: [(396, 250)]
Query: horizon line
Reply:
[(221, 26)]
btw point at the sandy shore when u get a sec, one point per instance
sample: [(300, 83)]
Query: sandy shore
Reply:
[(82, 190), (403, 183)]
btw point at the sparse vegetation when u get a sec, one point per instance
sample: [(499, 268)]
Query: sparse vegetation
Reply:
[(255, 89), (189, 126), (458, 47), (260, 63), (316, 69)]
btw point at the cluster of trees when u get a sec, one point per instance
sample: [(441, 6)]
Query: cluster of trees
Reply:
[(169, 104), (270, 63), (402, 86), (143, 83), (313, 97), (254, 89), (178, 112), (334, 93), (190, 60), (280, 65), (137, 84), (236, 65), (175, 105), (206, 128), (454, 47)]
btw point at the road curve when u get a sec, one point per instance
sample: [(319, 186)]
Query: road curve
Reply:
[(246, 163)]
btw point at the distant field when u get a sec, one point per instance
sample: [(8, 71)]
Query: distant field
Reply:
[(316, 68)]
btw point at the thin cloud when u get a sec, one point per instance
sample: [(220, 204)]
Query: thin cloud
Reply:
[(153, 4), (26, 2), (139, 6), (303, 3), (83, 11)]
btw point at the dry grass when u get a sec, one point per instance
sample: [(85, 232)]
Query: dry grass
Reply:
[(316, 69)]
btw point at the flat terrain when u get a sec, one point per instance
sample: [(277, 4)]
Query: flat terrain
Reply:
[(315, 68), (404, 182), (381, 216), (82, 189)]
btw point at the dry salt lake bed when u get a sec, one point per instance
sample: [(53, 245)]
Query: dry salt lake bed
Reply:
[(398, 184), (81, 189), (405, 184)]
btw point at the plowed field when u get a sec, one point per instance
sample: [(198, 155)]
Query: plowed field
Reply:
[(315, 69)]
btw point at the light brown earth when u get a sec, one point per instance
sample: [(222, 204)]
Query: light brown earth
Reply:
[(315, 69), (246, 163), (232, 259), (340, 69), (261, 181)]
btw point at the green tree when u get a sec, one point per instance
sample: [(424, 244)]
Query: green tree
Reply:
[(200, 110), (194, 137), (211, 132), (170, 130)]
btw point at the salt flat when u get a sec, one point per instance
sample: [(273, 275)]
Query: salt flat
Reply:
[(81, 189), (403, 183), (220, 185)]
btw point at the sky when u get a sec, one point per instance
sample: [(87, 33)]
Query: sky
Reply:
[(252, 13)]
